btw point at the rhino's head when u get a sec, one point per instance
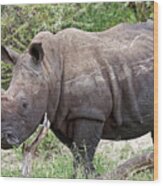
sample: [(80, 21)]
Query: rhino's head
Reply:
[(25, 102)]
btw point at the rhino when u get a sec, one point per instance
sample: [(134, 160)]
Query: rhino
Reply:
[(92, 85)]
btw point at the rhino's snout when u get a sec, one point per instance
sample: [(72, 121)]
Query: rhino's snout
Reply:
[(9, 140)]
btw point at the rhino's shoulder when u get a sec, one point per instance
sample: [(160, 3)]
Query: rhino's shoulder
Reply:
[(43, 36), (71, 31), (74, 37)]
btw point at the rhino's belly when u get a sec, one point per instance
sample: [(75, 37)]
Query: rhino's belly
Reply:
[(137, 111), (129, 130)]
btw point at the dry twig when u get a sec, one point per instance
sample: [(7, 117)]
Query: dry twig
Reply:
[(30, 149), (131, 166)]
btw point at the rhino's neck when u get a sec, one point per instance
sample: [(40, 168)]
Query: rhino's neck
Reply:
[(55, 80), (53, 67), (54, 94)]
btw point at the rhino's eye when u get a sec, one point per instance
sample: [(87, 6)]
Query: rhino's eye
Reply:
[(25, 105)]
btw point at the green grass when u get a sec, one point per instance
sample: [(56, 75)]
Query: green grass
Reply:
[(54, 160)]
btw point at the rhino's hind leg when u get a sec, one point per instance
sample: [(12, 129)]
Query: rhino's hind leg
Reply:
[(87, 134)]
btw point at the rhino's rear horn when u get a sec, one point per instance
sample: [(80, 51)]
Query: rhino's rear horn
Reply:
[(36, 51)]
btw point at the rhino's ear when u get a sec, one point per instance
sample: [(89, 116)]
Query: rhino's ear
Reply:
[(8, 55), (36, 51)]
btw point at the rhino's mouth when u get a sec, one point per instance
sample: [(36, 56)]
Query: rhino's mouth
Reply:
[(9, 140)]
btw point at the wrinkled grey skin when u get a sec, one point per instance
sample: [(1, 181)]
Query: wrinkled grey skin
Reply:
[(92, 85)]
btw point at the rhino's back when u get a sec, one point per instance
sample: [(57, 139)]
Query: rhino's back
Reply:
[(84, 52)]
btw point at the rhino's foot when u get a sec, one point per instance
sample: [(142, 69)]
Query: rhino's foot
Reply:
[(84, 172)]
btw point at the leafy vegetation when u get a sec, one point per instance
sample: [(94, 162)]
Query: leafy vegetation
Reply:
[(19, 24)]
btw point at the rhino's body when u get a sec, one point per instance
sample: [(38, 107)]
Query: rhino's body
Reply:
[(100, 85), (108, 78)]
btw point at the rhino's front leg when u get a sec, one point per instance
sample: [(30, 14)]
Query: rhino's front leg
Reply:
[(87, 134)]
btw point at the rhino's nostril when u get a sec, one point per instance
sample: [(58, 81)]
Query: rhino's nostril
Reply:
[(11, 139)]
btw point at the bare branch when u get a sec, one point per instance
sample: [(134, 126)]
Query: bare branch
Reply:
[(131, 166), (30, 149)]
